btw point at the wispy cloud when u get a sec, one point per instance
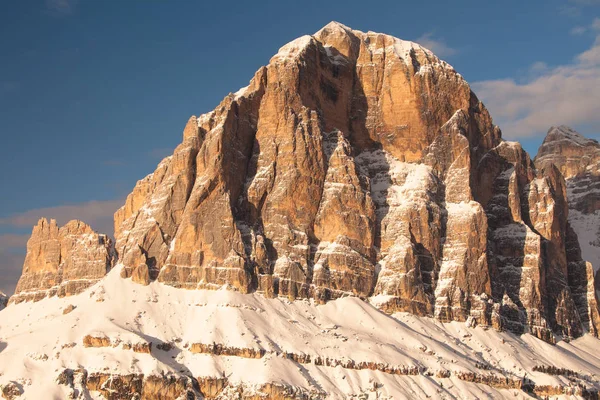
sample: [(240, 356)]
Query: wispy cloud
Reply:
[(574, 8), (592, 28), (562, 95), (98, 214), (11, 241), (12, 255), (538, 67), (438, 46), (61, 7), (11, 267)]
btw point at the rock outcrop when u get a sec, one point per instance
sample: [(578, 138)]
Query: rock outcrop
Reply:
[(3, 300), (62, 261), (358, 164), (578, 160)]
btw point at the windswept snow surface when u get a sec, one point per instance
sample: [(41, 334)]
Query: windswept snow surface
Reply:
[(37, 341)]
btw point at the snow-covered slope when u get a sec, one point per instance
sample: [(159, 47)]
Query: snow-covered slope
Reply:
[(344, 348)]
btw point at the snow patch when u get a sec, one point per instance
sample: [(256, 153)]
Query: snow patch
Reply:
[(587, 228), (293, 48)]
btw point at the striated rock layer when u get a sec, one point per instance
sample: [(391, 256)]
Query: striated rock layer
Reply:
[(353, 164), (360, 164), (62, 261)]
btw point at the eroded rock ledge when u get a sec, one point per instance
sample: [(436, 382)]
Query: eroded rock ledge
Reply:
[(175, 386), (171, 386)]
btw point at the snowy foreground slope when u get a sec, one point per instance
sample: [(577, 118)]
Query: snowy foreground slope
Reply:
[(343, 349)]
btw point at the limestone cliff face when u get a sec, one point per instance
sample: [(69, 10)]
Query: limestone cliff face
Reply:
[(358, 164), (62, 261), (578, 159)]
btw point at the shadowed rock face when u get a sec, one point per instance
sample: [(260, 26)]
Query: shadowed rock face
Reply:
[(62, 261), (358, 164), (578, 159)]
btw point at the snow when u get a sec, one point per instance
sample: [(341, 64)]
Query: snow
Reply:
[(587, 228), (336, 59), (241, 92), (293, 48), (343, 330), (204, 118), (404, 48), (335, 26), (464, 209), (395, 183)]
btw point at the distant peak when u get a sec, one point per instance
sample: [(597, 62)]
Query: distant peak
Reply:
[(564, 132), (564, 129)]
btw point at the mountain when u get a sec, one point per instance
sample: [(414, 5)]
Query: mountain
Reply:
[(578, 159), (349, 225)]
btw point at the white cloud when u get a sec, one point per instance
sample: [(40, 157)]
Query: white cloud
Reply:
[(562, 95), (593, 27), (437, 46), (574, 8), (98, 214), (538, 67)]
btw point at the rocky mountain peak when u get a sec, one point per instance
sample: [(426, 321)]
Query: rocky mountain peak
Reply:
[(572, 153), (353, 164), (563, 132)]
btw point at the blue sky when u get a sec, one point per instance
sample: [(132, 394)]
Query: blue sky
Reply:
[(94, 93)]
